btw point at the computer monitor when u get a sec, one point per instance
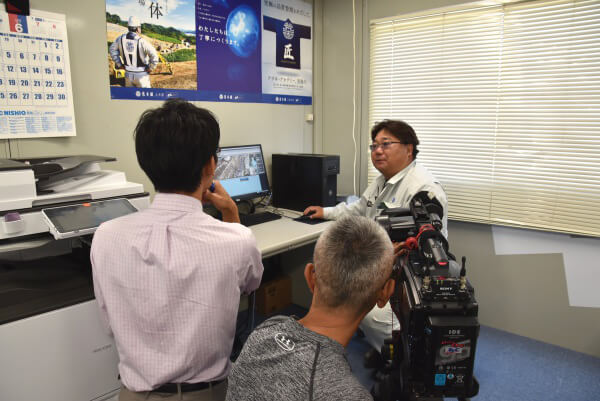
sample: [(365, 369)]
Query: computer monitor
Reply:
[(242, 172)]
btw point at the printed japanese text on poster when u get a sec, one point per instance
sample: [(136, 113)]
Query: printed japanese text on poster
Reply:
[(211, 50)]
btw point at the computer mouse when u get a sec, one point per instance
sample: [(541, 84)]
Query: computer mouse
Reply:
[(304, 217)]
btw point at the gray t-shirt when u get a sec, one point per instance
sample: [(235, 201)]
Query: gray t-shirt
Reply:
[(283, 360)]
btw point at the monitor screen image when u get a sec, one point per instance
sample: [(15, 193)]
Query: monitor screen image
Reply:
[(242, 172)]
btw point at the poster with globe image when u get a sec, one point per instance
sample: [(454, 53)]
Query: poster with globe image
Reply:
[(229, 44), (210, 50)]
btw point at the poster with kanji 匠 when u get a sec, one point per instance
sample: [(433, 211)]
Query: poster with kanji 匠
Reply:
[(210, 50)]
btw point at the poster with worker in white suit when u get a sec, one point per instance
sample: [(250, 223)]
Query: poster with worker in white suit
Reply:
[(256, 51), (151, 44)]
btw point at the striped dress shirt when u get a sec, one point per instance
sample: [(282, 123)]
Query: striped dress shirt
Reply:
[(168, 281)]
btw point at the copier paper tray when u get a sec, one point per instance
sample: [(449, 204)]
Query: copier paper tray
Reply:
[(29, 288)]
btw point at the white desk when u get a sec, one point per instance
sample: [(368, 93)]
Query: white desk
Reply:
[(290, 239), (285, 234)]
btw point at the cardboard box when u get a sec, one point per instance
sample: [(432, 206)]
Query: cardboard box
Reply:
[(274, 295)]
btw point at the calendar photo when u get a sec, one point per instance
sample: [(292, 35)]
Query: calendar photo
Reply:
[(36, 98)]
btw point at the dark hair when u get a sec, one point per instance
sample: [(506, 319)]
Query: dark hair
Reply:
[(399, 129), (132, 28), (174, 142)]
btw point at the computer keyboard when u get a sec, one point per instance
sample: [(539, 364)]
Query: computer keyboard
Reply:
[(257, 218)]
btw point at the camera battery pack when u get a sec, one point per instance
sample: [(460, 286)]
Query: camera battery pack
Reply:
[(450, 344)]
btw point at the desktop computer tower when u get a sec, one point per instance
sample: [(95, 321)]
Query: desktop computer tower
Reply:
[(302, 179)]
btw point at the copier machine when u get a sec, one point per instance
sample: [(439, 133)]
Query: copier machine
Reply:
[(53, 346)]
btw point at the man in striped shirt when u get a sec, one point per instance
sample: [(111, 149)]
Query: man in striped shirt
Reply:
[(168, 279)]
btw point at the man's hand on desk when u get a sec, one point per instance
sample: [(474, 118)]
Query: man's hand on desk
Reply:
[(315, 212), (221, 200)]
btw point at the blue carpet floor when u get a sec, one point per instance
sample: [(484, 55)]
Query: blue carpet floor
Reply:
[(510, 367), (515, 368)]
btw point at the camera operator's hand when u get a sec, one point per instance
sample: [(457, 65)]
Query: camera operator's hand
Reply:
[(221, 200), (317, 212), (399, 249)]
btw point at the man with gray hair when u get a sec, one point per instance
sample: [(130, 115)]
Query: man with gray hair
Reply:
[(289, 359)]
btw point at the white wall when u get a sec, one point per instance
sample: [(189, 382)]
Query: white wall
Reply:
[(105, 126), (518, 291)]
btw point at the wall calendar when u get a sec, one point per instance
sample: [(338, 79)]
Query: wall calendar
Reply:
[(36, 99)]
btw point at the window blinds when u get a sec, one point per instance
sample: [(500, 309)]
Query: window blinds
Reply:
[(506, 103)]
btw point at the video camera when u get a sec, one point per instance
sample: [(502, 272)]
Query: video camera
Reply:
[(433, 353)]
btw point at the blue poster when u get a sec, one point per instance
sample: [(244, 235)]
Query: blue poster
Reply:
[(210, 50)]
